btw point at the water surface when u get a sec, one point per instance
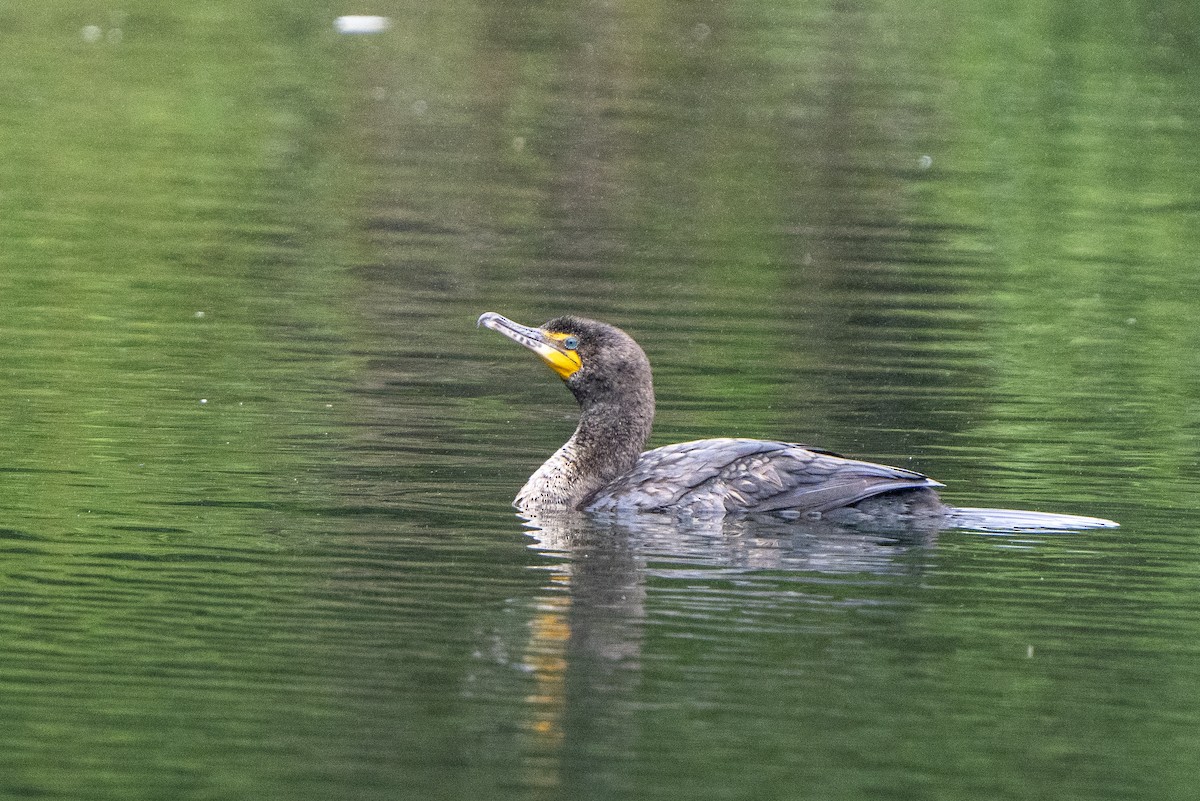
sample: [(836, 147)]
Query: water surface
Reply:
[(255, 538)]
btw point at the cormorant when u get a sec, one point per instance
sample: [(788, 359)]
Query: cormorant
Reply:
[(602, 467)]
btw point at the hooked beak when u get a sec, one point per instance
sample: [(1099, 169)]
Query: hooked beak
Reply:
[(546, 345)]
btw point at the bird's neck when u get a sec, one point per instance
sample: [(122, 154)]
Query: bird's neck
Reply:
[(605, 445)]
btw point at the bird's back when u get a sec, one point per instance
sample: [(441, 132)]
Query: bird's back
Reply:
[(730, 476)]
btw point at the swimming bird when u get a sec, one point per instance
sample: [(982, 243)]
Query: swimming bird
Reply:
[(602, 468)]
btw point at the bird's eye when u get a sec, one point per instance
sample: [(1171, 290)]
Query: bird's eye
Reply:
[(571, 343)]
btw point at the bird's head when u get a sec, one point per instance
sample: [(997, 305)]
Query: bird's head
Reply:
[(597, 361)]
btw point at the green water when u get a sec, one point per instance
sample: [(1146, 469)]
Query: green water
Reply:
[(255, 539)]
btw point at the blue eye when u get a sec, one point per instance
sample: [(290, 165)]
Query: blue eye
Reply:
[(571, 343)]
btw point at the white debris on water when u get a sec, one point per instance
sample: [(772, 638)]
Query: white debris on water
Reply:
[(93, 34), (361, 23)]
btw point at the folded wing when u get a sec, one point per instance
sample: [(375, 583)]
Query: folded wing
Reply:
[(718, 476)]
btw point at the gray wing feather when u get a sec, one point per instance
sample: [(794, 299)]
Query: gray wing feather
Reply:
[(746, 475)]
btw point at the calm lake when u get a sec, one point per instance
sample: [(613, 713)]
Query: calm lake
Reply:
[(255, 532)]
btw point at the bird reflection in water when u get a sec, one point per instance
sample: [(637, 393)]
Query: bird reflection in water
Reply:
[(608, 582)]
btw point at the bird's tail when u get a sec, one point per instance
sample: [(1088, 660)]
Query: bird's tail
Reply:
[(1015, 520)]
